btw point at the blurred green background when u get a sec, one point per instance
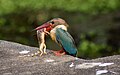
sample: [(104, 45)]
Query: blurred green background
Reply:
[(94, 24)]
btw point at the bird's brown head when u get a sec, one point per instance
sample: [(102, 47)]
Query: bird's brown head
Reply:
[(52, 23)]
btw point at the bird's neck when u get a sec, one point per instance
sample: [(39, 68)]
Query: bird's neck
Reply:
[(61, 26)]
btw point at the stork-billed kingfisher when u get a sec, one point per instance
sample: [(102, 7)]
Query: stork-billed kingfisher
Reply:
[(57, 29)]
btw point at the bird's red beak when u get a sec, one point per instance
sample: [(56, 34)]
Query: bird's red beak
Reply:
[(45, 25)]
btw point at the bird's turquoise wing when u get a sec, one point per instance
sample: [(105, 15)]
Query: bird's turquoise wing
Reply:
[(66, 40)]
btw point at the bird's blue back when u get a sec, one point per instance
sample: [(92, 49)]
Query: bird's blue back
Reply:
[(66, 40)]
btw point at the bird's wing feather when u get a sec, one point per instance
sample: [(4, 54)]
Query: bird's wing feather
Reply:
[(66, 40)]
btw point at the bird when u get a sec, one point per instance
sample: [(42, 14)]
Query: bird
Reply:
[(57, 28)]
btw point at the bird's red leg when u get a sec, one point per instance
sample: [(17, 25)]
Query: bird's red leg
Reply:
[(59, 53)]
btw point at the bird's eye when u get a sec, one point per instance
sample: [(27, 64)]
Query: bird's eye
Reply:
[(52, 22)]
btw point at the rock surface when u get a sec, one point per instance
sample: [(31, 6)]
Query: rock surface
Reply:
[(14, 62)]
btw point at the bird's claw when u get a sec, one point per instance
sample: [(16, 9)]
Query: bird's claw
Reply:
[(59, 53)]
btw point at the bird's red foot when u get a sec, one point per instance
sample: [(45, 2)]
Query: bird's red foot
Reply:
[(59, 53)]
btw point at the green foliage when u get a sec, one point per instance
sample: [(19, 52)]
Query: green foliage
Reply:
[(89, 49), (86, 6), (2, 21)]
